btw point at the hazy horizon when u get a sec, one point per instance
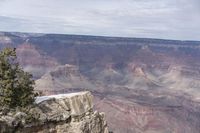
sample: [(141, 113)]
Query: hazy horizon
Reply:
[(163, 19)]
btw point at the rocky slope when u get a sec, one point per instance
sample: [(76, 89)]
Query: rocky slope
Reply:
[(143, 85), (34, 60), (67, 76), (65, 113)]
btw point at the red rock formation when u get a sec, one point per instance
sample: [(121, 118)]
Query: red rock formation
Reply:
[(34, 60), (143, 85)]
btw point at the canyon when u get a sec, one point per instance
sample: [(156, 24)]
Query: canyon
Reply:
[(143, 85)]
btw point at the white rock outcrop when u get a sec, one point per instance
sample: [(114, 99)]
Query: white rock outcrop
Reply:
[(64, 113)]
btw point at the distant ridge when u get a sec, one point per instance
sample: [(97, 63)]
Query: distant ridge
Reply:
[(137, 39)]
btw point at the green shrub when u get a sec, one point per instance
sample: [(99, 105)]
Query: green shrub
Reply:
[(16, 85)]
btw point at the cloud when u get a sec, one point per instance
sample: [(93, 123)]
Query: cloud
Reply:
[(173, 19)]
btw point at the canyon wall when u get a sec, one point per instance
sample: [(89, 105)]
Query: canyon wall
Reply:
[(143, 85)]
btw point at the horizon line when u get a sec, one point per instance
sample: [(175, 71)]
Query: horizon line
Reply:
[(103, 36)]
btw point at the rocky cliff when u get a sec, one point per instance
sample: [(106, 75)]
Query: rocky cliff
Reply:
[(64, 113), (143, 85)]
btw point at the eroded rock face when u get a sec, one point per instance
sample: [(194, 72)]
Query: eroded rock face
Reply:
[(34, 60), (143, 85), (65, 113)]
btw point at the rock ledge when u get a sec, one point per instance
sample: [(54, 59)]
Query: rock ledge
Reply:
[(64, 113)]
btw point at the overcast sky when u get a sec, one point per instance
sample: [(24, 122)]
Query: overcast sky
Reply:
[(170, 19)]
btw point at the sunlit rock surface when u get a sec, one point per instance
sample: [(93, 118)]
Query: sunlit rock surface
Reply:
[(64, 113)]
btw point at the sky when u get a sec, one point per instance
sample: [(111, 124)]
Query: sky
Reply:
[(167, 19)]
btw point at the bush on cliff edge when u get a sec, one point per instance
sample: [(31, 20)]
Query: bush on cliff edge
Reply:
[(16, 85)]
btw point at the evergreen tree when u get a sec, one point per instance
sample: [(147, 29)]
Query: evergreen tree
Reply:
[(16, 86)]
